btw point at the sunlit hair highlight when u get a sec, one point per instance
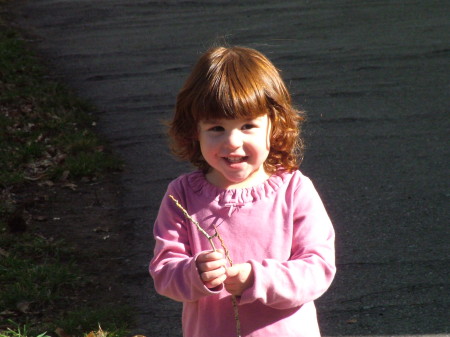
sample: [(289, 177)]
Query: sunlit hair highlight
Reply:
[(236, 82)]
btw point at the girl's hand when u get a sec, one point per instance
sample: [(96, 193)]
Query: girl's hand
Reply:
[(239, 278), (212, 268)]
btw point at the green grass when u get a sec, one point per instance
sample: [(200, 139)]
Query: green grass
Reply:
[(18, 330), (46, 134), (32, 272), (46, 131), (45, 128), (38, 277), (90, 318)]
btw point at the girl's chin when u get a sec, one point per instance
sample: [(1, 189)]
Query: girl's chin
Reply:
[(244, 178)]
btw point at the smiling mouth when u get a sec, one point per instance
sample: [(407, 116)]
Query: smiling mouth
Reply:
[(234, 160)]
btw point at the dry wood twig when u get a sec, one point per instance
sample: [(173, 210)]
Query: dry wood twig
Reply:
[(209, 237), (227, 255)]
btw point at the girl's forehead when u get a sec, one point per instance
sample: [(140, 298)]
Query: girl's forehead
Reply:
[(222, 115), (243, 119)]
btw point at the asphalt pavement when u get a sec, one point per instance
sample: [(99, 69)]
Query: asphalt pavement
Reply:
[(373, 77)]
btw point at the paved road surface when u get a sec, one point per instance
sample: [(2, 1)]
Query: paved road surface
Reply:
[(374, 79)]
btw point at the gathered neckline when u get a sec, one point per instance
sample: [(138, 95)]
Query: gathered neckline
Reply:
[(236, 196)]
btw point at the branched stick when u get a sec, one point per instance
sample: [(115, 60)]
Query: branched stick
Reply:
[(227, 255), (233, 298), (225, 249), (209, 237)]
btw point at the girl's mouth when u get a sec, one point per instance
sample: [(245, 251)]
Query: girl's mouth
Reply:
[(235, 160)]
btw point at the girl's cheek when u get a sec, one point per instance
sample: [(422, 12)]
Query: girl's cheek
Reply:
[(213, 140)]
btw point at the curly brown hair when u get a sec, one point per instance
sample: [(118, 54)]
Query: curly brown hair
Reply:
[(237, 82)]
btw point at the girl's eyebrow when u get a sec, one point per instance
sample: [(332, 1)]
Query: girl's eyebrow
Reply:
[(211, 121)]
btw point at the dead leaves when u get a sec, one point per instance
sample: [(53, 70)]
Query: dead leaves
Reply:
[(99, 333), (102, 230), (61, 333), (4, 253), (352, 321), (22, 308), (40, 168)]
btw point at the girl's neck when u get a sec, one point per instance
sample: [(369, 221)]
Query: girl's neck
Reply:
[(256, 178)]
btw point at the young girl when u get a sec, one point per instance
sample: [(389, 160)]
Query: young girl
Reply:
[(234, 121)]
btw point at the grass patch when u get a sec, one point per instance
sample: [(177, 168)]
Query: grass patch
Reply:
[(39, 280), (47, 137), (45, 129), (18, 330), (89, 318), (34, 272)]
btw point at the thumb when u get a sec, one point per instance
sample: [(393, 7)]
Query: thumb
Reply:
[(233, 271)]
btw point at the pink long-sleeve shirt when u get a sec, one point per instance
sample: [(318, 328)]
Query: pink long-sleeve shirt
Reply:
[(280, 227)]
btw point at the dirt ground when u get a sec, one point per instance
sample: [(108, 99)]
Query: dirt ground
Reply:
[(86, 216)]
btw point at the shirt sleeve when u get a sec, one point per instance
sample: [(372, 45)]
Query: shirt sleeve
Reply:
[(173, 267), (311, 267)]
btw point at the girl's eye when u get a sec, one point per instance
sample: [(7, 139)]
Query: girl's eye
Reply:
[(216, 128), (248, 126)]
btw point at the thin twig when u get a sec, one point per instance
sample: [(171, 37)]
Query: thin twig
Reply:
[(233, 298), (209, 237), (227, 255), (225, 249)]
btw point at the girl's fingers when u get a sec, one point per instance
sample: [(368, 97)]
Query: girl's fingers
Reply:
[(212, 268), (216, 282), (214, 278), (233, 271), (207, 261), (213, 274), (209, 256), (216, 255), (239, 278), (211, 265)]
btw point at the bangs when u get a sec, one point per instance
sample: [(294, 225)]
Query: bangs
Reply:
[(236, 86), (232, 95)]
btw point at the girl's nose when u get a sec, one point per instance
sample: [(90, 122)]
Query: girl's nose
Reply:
[(234, 139)]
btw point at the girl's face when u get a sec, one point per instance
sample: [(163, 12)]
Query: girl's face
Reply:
[(236, 150)]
